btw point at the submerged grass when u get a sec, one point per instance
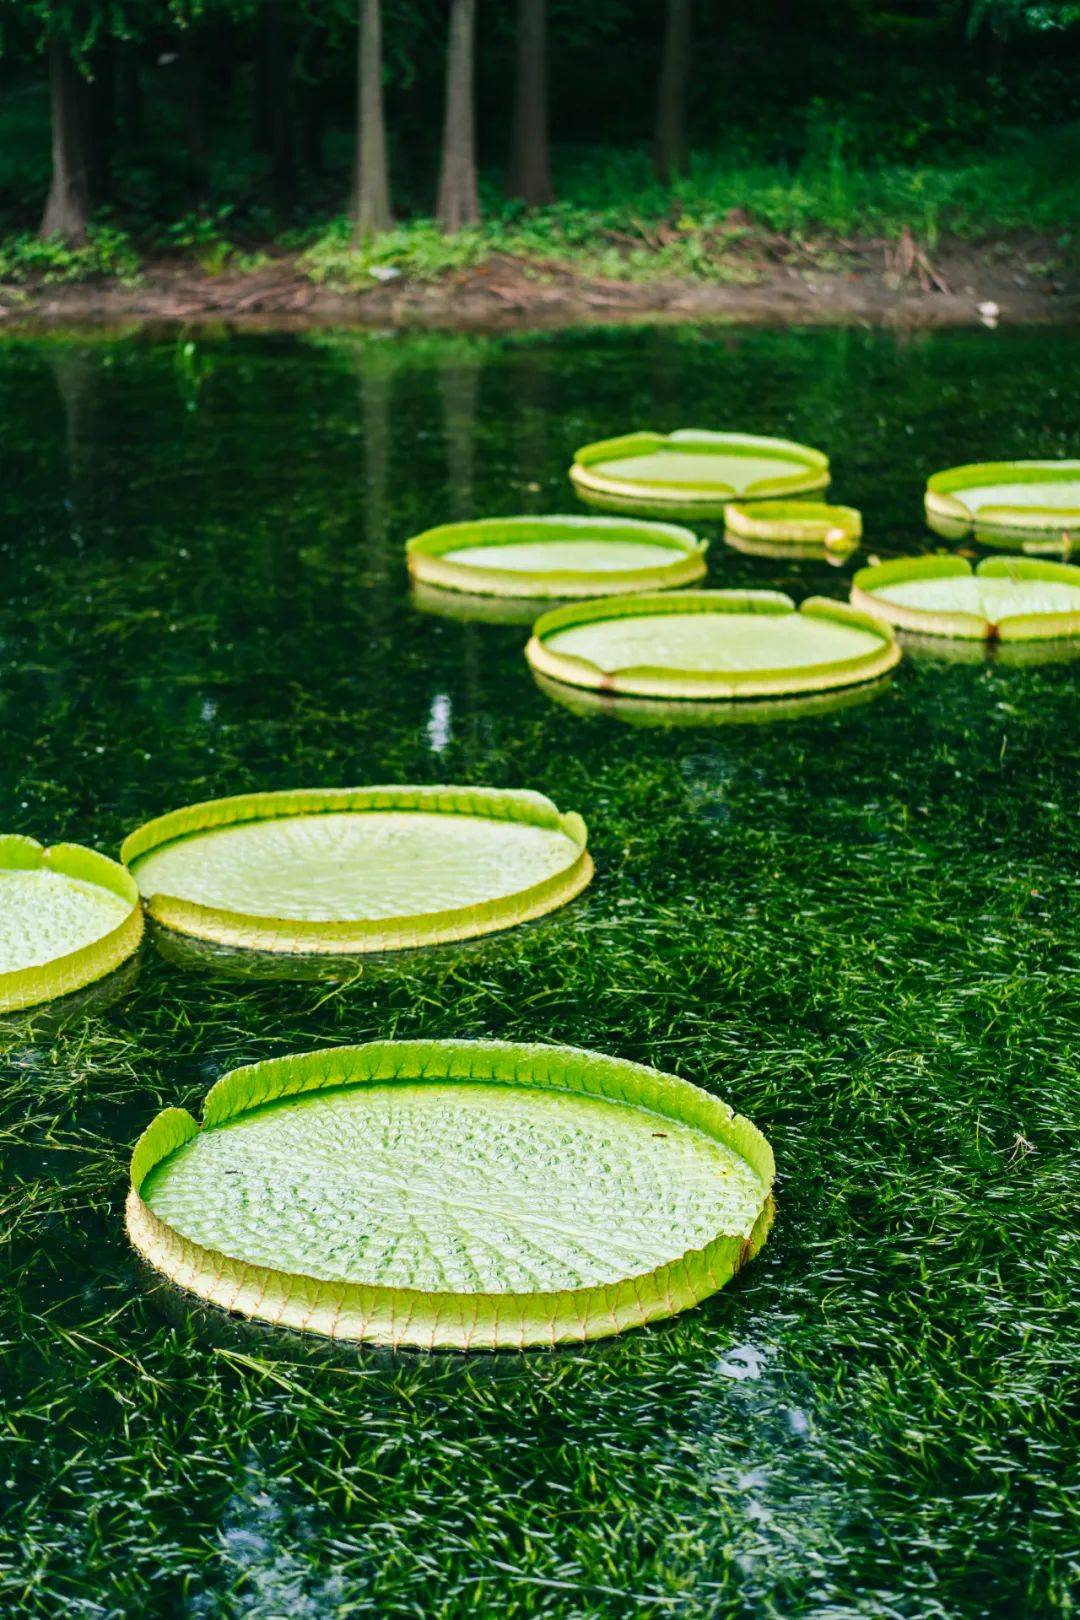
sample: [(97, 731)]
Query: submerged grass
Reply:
[(859, 931)]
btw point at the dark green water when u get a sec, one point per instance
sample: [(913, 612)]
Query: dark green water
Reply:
[(858, 929)]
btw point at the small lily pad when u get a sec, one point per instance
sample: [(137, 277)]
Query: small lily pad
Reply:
[(814, 525), (711, 644), (68, 916), (555, 557), (462, 1195), (1003, 599), (358, 869), (693, 471)]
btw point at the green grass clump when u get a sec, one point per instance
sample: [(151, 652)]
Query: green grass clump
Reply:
[(108, 253), (730, 219), (614, 220)]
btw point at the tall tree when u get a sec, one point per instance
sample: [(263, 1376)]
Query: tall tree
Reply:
[(67, 210), (458, 201), (669, 150), (371, 209), (530, 168)]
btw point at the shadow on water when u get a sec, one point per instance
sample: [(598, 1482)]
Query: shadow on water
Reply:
[(643, 711)]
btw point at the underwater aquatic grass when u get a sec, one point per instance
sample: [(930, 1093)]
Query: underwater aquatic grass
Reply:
[(859, 931)]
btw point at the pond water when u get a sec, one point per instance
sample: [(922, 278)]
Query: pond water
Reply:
[(856, 928)]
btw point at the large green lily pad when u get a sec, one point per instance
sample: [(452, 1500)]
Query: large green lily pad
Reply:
[(68, 916), (358, 869), (466, 1195), (694, 472), (1004, 599), (711, 644), (1030, 503), (555, 557)]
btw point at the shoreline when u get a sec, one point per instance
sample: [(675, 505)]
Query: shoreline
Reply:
[(987, 288)]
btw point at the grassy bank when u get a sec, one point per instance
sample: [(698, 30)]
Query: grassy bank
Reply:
[(730, 215)]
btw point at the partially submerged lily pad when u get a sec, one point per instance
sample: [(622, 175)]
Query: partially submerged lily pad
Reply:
[(1005, 598), (358, 869), (814, 525), (555, 557), (1035, 504), (694, 472), (461, 1195), (711, 644), (68, 916)]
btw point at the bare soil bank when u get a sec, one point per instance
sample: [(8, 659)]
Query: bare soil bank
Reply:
[(994, 282)]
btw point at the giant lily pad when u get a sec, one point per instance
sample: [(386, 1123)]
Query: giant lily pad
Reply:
[(711, 644), (1031, 503), (553, 557), (460, 1195), (694, 472), (358, 869), (1005, 598), (68, 916)]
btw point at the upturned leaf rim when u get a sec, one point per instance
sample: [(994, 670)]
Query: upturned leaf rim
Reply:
[(948, 513), (360, 935), (698, 499), (71, 970), (867, 582), (402, 1317), (429, 565), (662, 682), (798, 522)]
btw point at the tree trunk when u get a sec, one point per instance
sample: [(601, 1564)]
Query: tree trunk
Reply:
[(669, 153), (371, 180), (458, 201), (530, 171), (67, 211)]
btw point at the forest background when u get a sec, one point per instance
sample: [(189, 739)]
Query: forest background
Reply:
[(360, 141)]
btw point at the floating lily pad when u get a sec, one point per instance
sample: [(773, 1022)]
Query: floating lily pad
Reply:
[(795, 525), (694, 472), (460, 1195), (556, 557), (68, 916), (711, 644), (358, 869), (1035, 503), (1005, 598)]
